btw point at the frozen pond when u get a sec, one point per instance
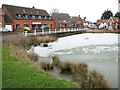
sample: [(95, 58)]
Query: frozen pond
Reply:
[(99, 51)]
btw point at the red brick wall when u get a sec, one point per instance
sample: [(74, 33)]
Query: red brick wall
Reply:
[(29, 22), (57, 22)]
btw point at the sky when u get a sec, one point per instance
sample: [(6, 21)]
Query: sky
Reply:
[(91, 9)]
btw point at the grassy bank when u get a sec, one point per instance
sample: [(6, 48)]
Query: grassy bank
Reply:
[(20, 73)]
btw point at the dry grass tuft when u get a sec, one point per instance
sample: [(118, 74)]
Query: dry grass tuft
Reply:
[(46, 66)]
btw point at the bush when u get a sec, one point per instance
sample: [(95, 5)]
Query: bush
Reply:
[(56, 60), (46, 66)]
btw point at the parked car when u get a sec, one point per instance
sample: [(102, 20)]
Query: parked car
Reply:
[(4, 30), (26, 29), (45, 27)]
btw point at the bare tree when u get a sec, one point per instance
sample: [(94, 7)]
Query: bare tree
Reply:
[(55, 10)]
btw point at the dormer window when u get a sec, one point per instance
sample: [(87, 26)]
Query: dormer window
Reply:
[(45, 17), (26, 16), (33, 17), (59, 20), (19, 16), (49, 18), (39, 17)]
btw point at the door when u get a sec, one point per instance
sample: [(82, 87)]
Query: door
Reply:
[(51, 26), (9, 27)]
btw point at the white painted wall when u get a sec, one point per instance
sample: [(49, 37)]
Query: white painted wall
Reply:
[(9, 27)]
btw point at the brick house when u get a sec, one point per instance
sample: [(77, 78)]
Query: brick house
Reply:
[(113, 23), (26, 17), (102, 23), (77, 22), (61, 20)]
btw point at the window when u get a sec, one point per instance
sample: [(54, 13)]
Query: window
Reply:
[(50, 18), (17, 26), (26, 25), (59, 20), (33, 17), (59, 25), (45, 17), (39, 17), (25, 16), (68, 20), (19, 16), (0, 25)]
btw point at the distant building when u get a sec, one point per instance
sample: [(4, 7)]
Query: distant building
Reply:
[(113, 23), (118, 5), (77, 22), (61, 20), (16, 17), (102, 24)]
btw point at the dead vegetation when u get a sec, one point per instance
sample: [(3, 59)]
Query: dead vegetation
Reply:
[(19, 45), (82, 75)]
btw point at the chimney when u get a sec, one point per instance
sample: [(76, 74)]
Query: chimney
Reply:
[(84, 18)]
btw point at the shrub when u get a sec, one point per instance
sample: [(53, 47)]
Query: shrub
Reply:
[(45, 45), (56, 60), (46, 66)]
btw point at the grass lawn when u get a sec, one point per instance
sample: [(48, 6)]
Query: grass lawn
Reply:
[(20, 73)]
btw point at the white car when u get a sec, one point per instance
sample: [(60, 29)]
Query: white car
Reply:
[(4, 30)]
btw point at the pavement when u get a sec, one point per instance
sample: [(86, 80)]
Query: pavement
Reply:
[(3, 37)]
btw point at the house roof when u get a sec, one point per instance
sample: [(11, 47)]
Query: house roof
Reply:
[(62, 16), (7, 20), (13, 10), (75, 19), (104, 20), (114, 19)]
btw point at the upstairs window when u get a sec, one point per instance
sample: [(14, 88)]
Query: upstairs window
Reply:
[(19, 16), (39, 17), (68, 20), (50, 18), (26, 16), (45, 17), (33, 17)]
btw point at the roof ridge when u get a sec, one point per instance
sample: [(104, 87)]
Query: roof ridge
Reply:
[(22, 7)]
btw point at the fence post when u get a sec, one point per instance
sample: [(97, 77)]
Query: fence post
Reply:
[(49, 31), (64, 29), (25, 33), (55, 30), (34, 32), (43, 31), (60, 29), (68, 29)]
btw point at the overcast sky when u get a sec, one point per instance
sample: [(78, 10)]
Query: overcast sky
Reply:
[(92, 9)]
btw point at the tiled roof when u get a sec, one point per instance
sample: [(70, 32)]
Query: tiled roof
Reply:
[(62, 16), (7, 20), (13, 10)]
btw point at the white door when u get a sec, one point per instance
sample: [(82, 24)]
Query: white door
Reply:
[(9, 27)]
